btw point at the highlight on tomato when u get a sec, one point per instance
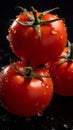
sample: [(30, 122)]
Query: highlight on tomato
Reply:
[(63, 70), (38, 36), (24, 91)]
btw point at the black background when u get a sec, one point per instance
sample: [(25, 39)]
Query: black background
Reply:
[(60, 113)]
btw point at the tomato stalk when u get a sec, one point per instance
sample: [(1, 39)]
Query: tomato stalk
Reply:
[(69, 56), (37, 21)]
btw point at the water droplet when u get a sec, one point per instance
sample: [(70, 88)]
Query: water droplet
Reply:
[(6, 80), (7, 37), (61, 36), (42, 84), (6, 69), (40, 113), (44, 93), (47, 65), (53, 31), (28, 119), (47, 86), (66, 126)]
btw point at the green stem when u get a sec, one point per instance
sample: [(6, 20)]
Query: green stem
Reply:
[(47, 11), (25, 12), (69, 56), (36, 19), (30, 73), (49, 21), (71, 53)]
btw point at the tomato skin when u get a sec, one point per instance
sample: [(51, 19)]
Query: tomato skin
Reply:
[(63, 72), (24, 97), (25, 43)]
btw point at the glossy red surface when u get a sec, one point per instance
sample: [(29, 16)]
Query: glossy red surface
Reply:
[(59, 115)]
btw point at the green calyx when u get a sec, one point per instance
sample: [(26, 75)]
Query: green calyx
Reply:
[(30, 72), (36, 21)]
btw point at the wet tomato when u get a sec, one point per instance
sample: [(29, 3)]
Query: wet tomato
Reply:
[(38, 36), (62, 69), (25, 96)]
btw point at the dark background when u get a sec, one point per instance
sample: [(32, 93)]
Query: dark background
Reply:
[(60, 113)]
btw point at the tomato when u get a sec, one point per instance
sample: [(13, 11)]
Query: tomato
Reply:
[(62, 69), (25, 96), (41, 41)]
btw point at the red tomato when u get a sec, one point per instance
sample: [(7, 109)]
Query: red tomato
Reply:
[(25, 96), (62, 69), (25, 41)]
